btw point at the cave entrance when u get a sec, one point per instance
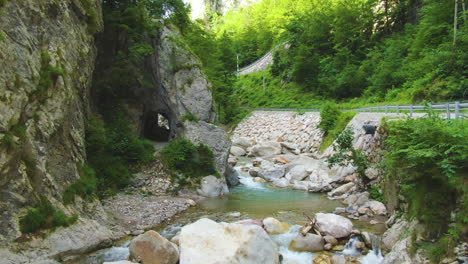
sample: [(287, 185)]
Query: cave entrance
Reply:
[(156, 127)]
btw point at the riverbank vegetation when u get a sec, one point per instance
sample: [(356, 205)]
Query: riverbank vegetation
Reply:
[(356, 52), (188, 161), (428, 157)]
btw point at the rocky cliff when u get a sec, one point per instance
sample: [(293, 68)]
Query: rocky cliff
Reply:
[(47, 52)]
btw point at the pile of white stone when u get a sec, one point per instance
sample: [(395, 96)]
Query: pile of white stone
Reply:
[(298, 130)]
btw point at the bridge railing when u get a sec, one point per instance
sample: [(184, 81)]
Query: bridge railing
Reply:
[(452, 109)]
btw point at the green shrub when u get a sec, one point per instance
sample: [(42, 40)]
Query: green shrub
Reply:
[(329, 114), (429, 158), (191, 161), (346, 154), (376, 194), (47, 76), (332, 123), (91, 15), (45, 216), (3, 3), (8, 141), (85, 187), (113, 148), (190, 117)]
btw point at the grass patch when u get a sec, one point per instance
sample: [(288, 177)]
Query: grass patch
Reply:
[(332, 123), (45, 216), (91, 16), (85, 187), (47, 76), (190, 117), (190, 161), (376, 194)]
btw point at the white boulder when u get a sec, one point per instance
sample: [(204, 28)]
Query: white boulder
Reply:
[(208, 242), (266, 149), (152, 248), (333, 225), (237, 151), (274, 226)]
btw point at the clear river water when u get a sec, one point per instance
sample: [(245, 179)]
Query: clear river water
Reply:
[(252, 200)]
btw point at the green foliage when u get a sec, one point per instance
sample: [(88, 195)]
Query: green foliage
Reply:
[(356, 50), (3, 3), (191, 161), (261, 89), (376, 194), (2, 35), (113, 147), (45, 216), (85, 187), (429, 157), (346, 154), (438, 250), (91, 15), (329, 114), (332, 123), (47, 76), (190, 117)]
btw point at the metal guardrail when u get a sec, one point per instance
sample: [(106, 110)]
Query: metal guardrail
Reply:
[(452, 107)]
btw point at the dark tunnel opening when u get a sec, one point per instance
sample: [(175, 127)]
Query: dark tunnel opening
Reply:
[(156, 127)]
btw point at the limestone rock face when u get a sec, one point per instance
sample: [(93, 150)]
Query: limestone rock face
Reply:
[(183, 85), (333, 225), (212, 136), (208, 242), (45, 124), (152, 248)]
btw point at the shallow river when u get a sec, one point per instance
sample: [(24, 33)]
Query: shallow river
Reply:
[(251, 200)]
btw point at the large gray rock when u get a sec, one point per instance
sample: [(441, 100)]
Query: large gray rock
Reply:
[(212, 136), (237, 151), (376, 207), (333, 225), (241, 142), (392, 235), (297, 173), (271, 171), (399, 254), (343, 189), (309, 242), (281, 182), (266, 149), (232, 176), (152, 248), (211, 187), (208, 242), (184, 86)]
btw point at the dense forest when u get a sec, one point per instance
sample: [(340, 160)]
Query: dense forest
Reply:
[(360, 51)]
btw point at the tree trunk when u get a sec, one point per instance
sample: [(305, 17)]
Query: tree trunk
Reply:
[(455, 21)]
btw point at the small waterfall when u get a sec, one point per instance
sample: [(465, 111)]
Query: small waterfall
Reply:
[(246, 180), (375, 256), (351, 248), (291, 257)]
